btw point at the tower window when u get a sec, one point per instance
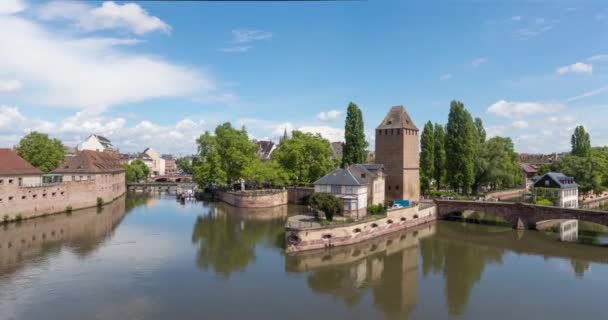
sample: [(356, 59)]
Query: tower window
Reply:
[(389, 187), (398, 131), (397, 187)]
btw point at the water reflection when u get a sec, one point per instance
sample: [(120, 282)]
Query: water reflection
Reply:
[(81, 232), (388, 266), (227, 236)]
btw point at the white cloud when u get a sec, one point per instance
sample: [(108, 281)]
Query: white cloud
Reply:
[(538, 27), (89, 72), (516, 18), (599, 58), (110, 15), (245, 36), (589, 94), (11, 6), (479, 61), (521, 109), (280, 129), (330, 133), (520, 124), (235, 49), (579, 67), (445, 77), (330, 115), (10, 85), (177, 138)]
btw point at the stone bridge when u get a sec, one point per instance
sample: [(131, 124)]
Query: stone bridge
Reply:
[(520, 215), (173, 178)]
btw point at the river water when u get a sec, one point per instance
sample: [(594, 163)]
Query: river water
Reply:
[(155, 258)]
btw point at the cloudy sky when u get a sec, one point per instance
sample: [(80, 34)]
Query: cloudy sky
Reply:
[(159, 73)]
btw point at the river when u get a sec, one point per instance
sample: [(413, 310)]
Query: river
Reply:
[(155, 258)]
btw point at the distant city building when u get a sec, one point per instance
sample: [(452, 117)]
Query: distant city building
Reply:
[(170, 165), (338, 149), (373, 174), (349, 187), (371, 157), (158, 163), (96, 143), (90, 165), (559, 187), (265, 149), (397, 148), (528, 172), (15, 171), (538, 159)]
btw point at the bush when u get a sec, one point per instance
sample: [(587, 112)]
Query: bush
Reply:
[(326, 202), (19, 217), (374, 209), (99, 202), (544, 201), (68, 209)]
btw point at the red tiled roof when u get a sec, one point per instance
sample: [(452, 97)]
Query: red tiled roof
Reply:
[(12, 164), (88, 161)]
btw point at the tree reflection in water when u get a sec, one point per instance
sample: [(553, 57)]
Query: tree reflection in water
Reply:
[(227, 236)]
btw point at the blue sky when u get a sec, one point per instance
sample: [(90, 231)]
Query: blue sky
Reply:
[(159, 73)]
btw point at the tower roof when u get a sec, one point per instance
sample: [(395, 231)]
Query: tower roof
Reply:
[(397, 118)]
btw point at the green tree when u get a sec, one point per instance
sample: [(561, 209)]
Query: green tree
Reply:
[(590, 172), (225, 156), (439, 173), (266, 173), (136, 171), (581, 142), (427, 153), (354, 136), (40, 151), (326, 202), (481, 131), (305, 157), (460, 148), (186, 164), (497, 164)]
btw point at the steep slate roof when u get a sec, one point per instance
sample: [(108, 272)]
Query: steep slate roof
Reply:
[(370, 168), (341, 177), (88, 161), (265, 149), (558, 178), (397, 118), (105, 142), (12, 164)]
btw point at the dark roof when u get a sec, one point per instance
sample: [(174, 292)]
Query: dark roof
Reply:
[(558, 178), (397, 118), (88, 161), (265, 148), (341, 177), (372, 166), (103, 139), (338, 149), (12, 164), (372, 169)]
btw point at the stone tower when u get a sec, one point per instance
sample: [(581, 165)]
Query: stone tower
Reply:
[(397, 148)]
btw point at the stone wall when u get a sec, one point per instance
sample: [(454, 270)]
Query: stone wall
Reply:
[(33, 201), (254, 199), (346, 234), (297, 195), (528, 214)]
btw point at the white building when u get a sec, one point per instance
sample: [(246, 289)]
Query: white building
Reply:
[(349, 187), (96, 143), (559, 187), (158, 163)]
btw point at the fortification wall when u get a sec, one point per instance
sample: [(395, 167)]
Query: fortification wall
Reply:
[(34, 201), (254, 199)]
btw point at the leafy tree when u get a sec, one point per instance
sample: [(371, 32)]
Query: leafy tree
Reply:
[(186, 164), (136, 171), (590, 172), (460, 148), (40, 151), (581, 142), (266, 173), (481, 131), (439, 156), (497, 165), (427, 153), (225, 156), (354, 136), (326, 202), (305, 157)]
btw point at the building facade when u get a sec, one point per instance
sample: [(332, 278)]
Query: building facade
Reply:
[(559, 187), (397, 148), (373, 174), (349, 187), (158, 163), (170, 165), (96, 143), (76, 184)]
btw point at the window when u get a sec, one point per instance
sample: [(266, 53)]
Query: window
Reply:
[(1, 181), (10, 181), (349, 190), (398, 131), (336, 189), (397, 187), (23, 197), (10, 198), (389, 188), (35, 196)]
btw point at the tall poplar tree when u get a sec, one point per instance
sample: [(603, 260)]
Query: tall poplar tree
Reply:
[(427, 153), (354, 137), (439, 156), (460, 146), (581, 142)]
